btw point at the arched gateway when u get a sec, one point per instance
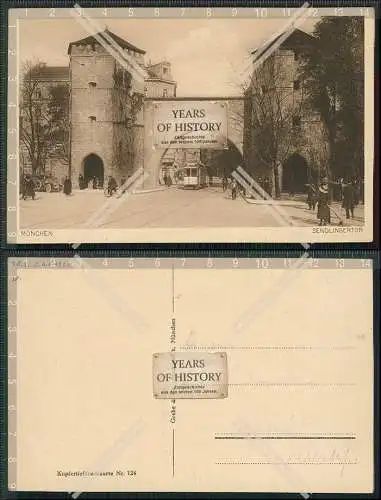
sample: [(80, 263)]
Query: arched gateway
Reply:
[(93, 168), (188, 124)]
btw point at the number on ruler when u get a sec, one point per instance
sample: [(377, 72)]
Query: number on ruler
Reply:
[(262, 263)]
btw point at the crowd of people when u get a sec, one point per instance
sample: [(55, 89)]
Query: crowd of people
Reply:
[(346, 191)]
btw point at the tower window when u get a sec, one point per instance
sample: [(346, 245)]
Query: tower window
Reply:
[(296, 84), (93, 118), (165, 70), (165, 92), (92, 84)]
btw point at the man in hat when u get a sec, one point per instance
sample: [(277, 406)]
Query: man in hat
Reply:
[(348, 199), (311, 196), (67, 186), (323, 213)]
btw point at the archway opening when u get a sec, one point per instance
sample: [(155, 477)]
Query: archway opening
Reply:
[(93, 169), (221, 162), (218, 162), (296, 174)]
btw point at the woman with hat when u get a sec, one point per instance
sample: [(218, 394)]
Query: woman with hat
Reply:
[(323, 212)]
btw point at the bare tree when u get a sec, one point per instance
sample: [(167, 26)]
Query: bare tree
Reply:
[(58, 134), (35, 124), (44, 120), (275, 116)]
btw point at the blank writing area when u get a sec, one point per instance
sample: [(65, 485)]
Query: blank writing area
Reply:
[(299, 411), (85, 401), (299, 414)]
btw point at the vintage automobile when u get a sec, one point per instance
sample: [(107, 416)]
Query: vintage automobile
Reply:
[(47, 184)]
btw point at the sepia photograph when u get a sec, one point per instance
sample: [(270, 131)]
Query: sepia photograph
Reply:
[(146, 378), (192, 129)]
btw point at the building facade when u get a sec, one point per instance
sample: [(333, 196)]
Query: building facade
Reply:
[(107, 128), (104, 109), (284, 139)]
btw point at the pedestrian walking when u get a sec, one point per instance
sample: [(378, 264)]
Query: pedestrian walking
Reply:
[(267, 186), (323, 213), (224, 183), (112, 185), (349, 199), (29, 188), (67, 187), (234, 189), (311, 196), (168, 180), (81, 182)]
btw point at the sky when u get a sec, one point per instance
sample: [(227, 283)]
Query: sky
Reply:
[(209, 57)]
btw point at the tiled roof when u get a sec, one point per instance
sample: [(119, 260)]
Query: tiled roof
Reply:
[(297, 38), (50, 73), (89, 40)]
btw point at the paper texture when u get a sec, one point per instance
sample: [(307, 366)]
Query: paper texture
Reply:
[(190, 125), (298, 416)]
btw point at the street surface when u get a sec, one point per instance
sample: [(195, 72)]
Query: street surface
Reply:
[(170, 207)]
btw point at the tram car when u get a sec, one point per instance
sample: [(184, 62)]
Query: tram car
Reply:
[(194, 176)]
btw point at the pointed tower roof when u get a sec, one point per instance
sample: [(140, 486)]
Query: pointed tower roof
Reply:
[(91, 40)]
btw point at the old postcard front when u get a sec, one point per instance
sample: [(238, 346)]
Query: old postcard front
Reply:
[(190, 125), (251, 375)]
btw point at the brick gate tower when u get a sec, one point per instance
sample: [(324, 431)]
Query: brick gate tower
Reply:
[(106, 136)]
